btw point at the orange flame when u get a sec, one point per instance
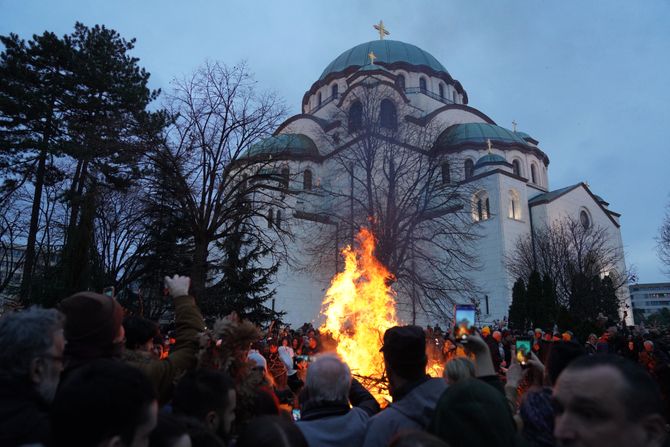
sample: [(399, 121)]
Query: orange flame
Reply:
[(359, 307)]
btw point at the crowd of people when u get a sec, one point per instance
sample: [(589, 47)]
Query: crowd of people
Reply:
[(86, 374)]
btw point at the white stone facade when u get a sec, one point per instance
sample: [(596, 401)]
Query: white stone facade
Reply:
[(442, 104)]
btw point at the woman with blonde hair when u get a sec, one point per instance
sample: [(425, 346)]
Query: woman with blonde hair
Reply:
[(458, 369)]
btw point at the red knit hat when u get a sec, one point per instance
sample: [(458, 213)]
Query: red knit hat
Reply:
[(91, 319)]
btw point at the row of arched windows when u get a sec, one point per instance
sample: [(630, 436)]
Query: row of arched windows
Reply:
[(388, 117), (274, 219), (469, 169), (400, 81), (284, 177), (334, 89), (481, 206), (534, 177)]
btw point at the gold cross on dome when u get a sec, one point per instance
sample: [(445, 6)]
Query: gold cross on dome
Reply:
[(514, 123), (488, 143), (382, 31), (372, 57)]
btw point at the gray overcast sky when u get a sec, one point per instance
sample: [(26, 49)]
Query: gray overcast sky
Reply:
[(589, 79)]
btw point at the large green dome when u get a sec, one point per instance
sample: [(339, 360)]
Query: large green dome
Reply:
[(387, 52)]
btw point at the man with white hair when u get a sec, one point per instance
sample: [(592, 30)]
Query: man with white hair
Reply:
[(327, 418), (31, 362)]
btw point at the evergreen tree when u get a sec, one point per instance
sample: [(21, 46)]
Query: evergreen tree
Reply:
[(110, 130), (34, 78), (518, 312), (608, 302), (547, 310), (78, 98), (534, 297), (245, 284)]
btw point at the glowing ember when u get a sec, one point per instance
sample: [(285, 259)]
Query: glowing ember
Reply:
[(359, 307)]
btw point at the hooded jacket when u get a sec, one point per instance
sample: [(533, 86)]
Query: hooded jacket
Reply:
[(413, 411)]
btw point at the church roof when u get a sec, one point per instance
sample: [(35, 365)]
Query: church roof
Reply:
[(526, 137), (387, 52), (478, 133), (294, 144), (552, 195), (490, 159)]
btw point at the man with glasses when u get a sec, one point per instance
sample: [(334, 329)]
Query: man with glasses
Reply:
[(31, 361)]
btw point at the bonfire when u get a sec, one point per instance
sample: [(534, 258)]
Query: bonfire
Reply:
[(359, 307)]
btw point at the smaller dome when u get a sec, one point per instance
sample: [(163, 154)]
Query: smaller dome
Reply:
[(283, 144), (477, 134), (491, 159)]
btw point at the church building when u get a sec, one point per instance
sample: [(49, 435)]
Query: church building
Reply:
[(501, 175)]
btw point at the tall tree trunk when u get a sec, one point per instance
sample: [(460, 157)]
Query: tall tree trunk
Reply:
[(76, 191), (29, 259)]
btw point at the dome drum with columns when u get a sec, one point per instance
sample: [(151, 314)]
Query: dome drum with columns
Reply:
[(506, 169)]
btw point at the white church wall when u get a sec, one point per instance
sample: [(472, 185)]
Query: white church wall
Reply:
[(571, 204)]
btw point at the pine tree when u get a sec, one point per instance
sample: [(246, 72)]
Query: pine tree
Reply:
[(34, 78), (608, 302), (109, 128), (518, 316), (534, 299), (245, 285), (547, 310)]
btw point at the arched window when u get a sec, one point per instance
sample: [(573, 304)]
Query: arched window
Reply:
[(481, 209), (387, 114), (401, 81), (516, 166), (318, 98), (307, 180), (585, 219), (469, 167), (333, 91), (270, 217), (446, 175), (355, 116), (533, 173), (284, 180), (244, 184), (441, 91), (278, 219), (422, 84), (514, 205), (454, 97)]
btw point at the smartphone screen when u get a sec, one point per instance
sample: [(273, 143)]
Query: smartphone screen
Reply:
[(522, 351), (296, 414), (464, 317)]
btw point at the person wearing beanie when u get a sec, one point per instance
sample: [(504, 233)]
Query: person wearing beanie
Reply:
[(258, 360), (93, 329), (183, 355), (474, 413), (414, 393)]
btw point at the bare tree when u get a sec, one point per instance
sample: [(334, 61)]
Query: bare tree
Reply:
[(120, 235), (565, 251), (390, 178), (664, 241), (218, 114), (12, 252)]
